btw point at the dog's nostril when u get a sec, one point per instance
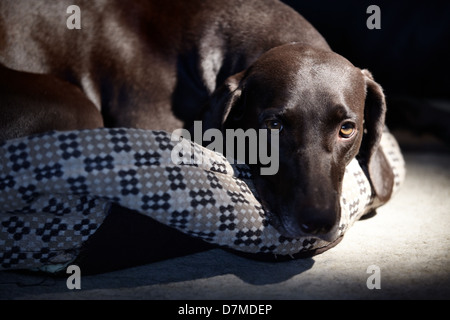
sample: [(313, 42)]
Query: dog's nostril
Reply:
[(314, 229)]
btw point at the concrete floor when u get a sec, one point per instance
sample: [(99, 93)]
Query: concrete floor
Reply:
[(408, 240)]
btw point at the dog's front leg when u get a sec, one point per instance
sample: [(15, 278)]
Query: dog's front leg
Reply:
[(34, 103)]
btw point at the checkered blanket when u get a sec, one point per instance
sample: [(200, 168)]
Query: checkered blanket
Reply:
[(56, 190)]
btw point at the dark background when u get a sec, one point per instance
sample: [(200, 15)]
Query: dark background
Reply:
[(409, 55)]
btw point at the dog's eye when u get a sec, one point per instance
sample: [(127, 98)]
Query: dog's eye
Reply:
[(274, 124), (347, 130)]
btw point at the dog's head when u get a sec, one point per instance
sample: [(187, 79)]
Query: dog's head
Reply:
[(326, 112)]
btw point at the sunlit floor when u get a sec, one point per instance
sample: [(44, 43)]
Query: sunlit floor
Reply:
[(408, 242)]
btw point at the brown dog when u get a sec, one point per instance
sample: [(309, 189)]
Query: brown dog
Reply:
[(162, 64)]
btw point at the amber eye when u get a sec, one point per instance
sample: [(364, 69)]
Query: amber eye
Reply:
[(274, 124), (347, 130)]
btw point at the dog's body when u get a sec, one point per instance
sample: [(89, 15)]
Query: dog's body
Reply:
[(163, 64), (163, 56)]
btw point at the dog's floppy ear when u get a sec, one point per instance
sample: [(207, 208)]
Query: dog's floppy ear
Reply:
[(371, 157), (222, 101)]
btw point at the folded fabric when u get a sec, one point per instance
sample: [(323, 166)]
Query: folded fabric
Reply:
[(56, 189)]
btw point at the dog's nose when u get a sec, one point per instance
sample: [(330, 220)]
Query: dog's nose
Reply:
[(315, 228), (317, 222)]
